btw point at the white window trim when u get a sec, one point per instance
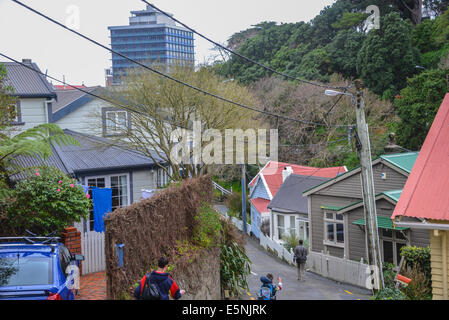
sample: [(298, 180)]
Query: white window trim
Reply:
[(335, 221), (107, 182), (116, 129)]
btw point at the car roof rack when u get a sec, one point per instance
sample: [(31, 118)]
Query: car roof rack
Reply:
[(33, 239)]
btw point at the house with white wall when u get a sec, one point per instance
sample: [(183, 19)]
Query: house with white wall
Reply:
[(264, 186)]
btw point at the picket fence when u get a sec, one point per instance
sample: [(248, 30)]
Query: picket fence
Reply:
[(338, 269)]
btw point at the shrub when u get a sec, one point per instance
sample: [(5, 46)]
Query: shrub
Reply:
[(390, 293), (48, 201), (234, 203), (419, 288), (234, 263), (417, 257), (292, 240), (208, 228)]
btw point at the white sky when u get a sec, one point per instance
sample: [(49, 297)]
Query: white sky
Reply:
[(24, 34)]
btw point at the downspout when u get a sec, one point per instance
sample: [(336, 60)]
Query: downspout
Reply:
[(444, 263)]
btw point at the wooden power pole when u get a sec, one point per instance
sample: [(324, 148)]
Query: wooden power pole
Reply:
[(369, 201), (244, 198)]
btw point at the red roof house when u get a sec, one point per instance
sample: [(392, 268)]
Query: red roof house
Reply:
[(425, 195)]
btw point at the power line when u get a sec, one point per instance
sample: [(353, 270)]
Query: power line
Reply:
[(240, 55), (172, 78)]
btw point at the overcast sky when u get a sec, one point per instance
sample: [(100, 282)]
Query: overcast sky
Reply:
[(24, 34)]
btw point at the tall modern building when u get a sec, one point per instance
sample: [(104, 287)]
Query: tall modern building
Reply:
[(150, 38)]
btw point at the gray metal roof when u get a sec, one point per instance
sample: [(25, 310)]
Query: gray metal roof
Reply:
[(67, 97), (28, 162), (26, 82), (289, 198), (94, 155)]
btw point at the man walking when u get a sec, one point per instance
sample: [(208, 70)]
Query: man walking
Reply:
[(166, 287), (301, 258)]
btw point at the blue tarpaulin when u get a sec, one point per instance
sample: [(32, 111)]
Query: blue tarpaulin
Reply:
[(102, 201)]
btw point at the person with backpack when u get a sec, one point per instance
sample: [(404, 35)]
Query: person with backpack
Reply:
[(301, 253), (158, 285), (268, 289)]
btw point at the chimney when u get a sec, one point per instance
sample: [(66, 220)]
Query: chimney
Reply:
[(26, 61), (286, 173)]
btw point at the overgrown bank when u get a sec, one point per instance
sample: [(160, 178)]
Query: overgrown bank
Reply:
[(181, 224)]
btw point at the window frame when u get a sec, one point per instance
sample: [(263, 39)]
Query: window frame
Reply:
[(394, 240), (117, 132), (335, 222)]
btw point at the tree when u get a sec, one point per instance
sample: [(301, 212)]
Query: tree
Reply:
[(387, 56), (417, 106), (165, 112), (343, 52), (35, 141)]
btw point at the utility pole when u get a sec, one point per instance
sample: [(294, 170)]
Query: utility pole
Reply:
[(244, 198), (369, 201)]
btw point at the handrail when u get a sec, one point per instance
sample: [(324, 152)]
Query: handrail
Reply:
[(220, 188)]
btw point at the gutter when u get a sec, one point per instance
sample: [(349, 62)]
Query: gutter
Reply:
[(422, 225)]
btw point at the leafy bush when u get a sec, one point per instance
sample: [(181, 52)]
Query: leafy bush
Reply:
[(417, 257), (49, 201), (292, 240), (234, 203), (208, 228), (235, 264), (390, 293), (419, 288)]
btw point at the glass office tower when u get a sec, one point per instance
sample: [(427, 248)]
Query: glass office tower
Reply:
[(150, 38)]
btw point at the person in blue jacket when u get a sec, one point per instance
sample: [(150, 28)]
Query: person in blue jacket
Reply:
[(166, 286), (268, 289)]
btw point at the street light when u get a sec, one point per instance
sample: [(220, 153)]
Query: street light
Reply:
[(333, 93)]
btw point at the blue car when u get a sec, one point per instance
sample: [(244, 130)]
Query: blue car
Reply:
[(37, 268)]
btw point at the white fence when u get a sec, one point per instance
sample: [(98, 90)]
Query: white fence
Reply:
[(338, 269), (92, 247)]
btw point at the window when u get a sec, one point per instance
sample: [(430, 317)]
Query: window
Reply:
[(115, 122), (162, 178), (292, 229), (334, 228), (281, 226), (30, 271), (14, 115), (392, 242)]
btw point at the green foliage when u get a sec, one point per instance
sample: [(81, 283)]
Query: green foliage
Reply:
[(350, 20), (343, 52), (207, 228), (390, 293), (234, 203), (234, 268), (417, 106), (292, 240), (48, 201), (387, 56), (417, 257)]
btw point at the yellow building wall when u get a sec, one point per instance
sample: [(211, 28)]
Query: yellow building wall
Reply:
[(437, 263)]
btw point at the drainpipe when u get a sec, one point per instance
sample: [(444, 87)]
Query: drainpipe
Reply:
[(49, 109), (444, 263)]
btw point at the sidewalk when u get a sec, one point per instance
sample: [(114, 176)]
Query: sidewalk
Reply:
[(92, 287)]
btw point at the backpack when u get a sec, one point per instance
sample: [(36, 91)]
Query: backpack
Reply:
[(266, 292), (150, 290)]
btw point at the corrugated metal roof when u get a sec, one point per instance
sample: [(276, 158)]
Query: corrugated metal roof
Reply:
[(404, 161), (94, 155), (27, 162), (272, 173), (394, 194), (260, 204), (99, 154), (26, 82), (425, 194), (66, 97), (382, 223), (289, 197)]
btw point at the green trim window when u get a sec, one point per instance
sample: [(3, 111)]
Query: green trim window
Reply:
[(334, 228)]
